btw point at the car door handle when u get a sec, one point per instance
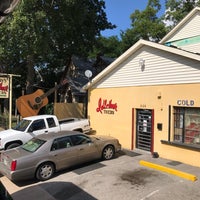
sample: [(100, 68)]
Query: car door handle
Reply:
[(46, 131), (81, 149)]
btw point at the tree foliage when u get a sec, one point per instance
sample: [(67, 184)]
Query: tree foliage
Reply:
[(45, 33), (176, 10), (145, 25), (109, 47)]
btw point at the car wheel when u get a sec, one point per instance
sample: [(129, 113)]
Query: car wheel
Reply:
[(108, 152), (13, 145), (45, 171)]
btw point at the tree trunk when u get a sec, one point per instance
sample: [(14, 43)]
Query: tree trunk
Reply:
[(64, 89), (30, 75)]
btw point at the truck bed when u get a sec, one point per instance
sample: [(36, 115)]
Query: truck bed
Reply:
[(68, 120)]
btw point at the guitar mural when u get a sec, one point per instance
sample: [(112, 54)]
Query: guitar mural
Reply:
[(30, 104)]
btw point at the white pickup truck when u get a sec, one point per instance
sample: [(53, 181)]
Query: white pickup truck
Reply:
[(31, 126)]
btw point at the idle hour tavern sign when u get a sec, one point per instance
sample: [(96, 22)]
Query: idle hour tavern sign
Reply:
[(4, 87), (106, 106)]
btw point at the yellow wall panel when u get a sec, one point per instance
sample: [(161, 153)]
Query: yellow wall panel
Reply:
[(120, 122)]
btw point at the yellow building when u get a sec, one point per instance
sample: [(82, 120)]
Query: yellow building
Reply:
[(148, 97)]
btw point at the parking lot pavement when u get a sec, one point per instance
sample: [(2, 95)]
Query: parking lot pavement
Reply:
[(122, 178)]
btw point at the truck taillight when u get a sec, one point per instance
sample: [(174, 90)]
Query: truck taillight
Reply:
[(13, 165)]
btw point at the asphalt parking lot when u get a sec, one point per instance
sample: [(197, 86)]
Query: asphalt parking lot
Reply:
[(122, 178)]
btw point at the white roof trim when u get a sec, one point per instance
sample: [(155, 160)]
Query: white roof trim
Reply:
[(178, 26), (131, 51)]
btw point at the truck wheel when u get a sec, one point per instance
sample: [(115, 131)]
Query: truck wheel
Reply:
[(45, 171), (12, 145)]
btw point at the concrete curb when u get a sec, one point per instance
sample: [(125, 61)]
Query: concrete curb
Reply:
[(181, 174)]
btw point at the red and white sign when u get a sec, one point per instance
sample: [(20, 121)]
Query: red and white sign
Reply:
[(4, 87), (106, 107)]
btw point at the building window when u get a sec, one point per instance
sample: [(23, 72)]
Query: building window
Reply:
[(187, 125)]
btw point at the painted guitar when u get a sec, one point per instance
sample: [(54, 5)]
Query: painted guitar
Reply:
[(30, 104)]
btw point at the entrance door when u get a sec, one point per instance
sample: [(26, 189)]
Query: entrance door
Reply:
[(144, 133)]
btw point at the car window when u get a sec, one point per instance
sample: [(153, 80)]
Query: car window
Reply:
[(37, 125), (79, 139), (51, 122), (33, 144), (22, 125), (61, 143)]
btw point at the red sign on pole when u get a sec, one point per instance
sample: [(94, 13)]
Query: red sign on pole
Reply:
[(4, 87)]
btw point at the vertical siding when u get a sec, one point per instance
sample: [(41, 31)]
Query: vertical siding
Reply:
[(160, 68)]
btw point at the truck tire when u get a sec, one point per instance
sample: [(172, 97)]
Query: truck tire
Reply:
[(13, 145)]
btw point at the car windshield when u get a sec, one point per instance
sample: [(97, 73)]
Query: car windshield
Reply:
[(22, 125), (33, 144)]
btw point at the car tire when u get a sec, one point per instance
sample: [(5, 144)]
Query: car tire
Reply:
[(13, 145), (45, 171), (108, 152)]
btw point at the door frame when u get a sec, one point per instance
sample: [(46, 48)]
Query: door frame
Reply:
[(134, 132)]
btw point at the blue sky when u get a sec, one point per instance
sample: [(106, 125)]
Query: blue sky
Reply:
[(119, 11)]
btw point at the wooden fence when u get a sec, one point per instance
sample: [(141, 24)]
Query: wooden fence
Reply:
[(63, 110)]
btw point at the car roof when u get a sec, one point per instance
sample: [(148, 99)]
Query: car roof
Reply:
[(52, 136)]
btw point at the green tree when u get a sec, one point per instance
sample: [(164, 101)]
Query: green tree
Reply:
[(145, 25), (176, 10), (46, 33), (109, 47), (6, 7)]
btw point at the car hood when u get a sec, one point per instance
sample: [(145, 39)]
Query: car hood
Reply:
[(8, 132)]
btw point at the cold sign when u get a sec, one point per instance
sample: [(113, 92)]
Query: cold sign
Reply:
[(185, 102)]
